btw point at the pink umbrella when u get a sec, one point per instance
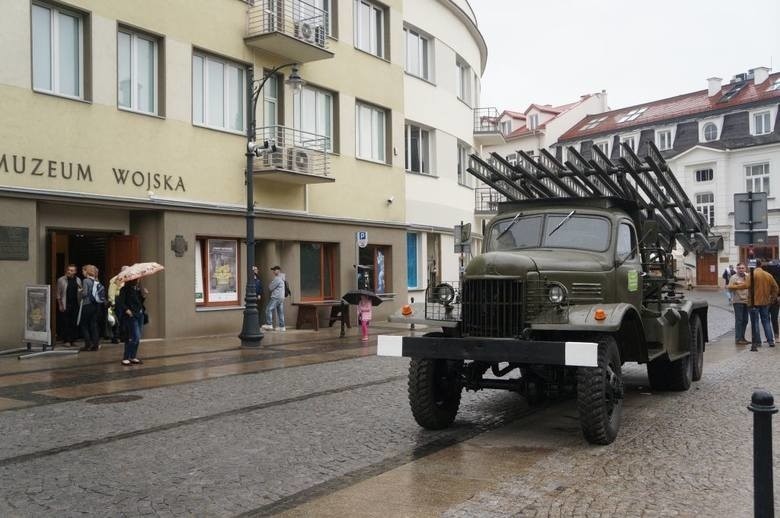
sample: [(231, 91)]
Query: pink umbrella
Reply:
[(138, 270)]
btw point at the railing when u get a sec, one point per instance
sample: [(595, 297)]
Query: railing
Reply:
[(295, 18), (293, 150), (486, 200), (486, 120)]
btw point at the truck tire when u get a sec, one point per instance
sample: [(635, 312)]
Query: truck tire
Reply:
[(600, 395), (658, 374), (434, 392), (696, 339)]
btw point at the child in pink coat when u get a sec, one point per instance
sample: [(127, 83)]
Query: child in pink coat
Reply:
[(364, 312)]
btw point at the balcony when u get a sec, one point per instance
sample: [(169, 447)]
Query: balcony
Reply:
[(486, 129), (292, 29), (291, 156), (486, 200)]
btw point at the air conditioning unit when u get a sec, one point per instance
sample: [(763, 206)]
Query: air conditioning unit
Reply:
[(298, 160), (306, 32), (274, 159)]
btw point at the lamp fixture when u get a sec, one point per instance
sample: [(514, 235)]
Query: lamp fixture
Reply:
[(295, 81)]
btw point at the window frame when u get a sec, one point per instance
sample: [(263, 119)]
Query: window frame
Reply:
[(704, 126), (385, 137), (275, 102), (766, 124), (415, 264), (55, 11), (633, 250), (605, 143), (425, 53), (408, 128), (202, 253), (765, 178), (463, 80), (387, 251), (464, 178), (634, 140), (533, 121), (298, 113), (706, 208), (378, 39), (135, 34), (705, 172), (659, 139), (506, 127), (226, 63), (328, 255)]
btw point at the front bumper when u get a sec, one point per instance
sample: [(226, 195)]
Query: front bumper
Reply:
[(491, 350)]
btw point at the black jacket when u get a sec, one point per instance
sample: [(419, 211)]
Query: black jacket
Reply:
[(129, 297)]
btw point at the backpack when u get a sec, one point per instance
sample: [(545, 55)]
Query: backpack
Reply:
[(97, 294), (287, 291)]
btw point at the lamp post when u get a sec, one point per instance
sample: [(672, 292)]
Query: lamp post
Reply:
[(251, 334)]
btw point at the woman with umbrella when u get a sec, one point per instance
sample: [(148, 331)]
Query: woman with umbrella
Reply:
[(130, 307), (365, 301)]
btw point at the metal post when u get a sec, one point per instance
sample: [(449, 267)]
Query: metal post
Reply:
[(763, 406), (251, 334)]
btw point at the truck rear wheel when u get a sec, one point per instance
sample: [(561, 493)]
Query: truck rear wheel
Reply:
[(696, 339), (434, 392), (600, 395), (671, 375)]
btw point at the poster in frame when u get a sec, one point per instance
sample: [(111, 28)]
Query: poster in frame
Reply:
[(222, 256), (37, 317)]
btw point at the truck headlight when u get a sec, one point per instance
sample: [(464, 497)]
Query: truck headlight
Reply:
[(556, 294)]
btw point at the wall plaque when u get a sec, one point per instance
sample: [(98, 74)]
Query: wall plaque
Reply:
[(14, 243)]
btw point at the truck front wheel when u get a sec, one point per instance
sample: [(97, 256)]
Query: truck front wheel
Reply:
[(600, 395), (434, 392)]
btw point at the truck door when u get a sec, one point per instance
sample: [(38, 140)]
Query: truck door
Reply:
[(628, 272)]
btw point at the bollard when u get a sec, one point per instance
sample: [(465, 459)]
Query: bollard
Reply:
[(762, 405)]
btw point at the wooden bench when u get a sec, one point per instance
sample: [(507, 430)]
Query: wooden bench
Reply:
[(308, 313)]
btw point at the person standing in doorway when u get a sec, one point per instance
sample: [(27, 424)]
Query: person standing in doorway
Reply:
[(258, 283), (130, 309), (68, 287), (365, 308), (90, 308), (275, 301), (740, 302)]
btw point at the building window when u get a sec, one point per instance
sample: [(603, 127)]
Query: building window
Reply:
[(418, 149), (217, 277), (710, 132), (218, 93), (464, 178), (705, 203), (418, 52), (376, 271), (313, 114), (632, 115), (371, 138), (58, 51), (664, 139), (512, 158), (603, 146), (774, 86), (327, 9), (370, 28), (412, 259), (704, 175), (533, 121), (317, 271), (630, 142), (137, 71), (757, 178), (506, 127), (272, 107), (595, 122), (761, 123), (463, 80)]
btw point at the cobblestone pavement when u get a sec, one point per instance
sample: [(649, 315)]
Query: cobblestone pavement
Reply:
[(267, 442)]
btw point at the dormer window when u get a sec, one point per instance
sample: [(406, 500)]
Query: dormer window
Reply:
[(506, 127), (533, 121), (664, 139), (774, 86), (761, 123), (630, 141), (710, 132), (633, 114)]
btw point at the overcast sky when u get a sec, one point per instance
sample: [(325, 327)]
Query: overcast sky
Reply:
[(553, 51)]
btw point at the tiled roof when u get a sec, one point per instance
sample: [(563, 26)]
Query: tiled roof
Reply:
[(694, 103), (556, 110), (514, 115)]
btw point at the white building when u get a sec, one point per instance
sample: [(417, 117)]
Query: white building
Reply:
[(719, 141), (445, 56)]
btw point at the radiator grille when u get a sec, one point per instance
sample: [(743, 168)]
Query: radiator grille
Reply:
[(492, 307)]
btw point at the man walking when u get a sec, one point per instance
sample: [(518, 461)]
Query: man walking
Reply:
[(276, 301), (764, 291), (68, 288), (740, 302)]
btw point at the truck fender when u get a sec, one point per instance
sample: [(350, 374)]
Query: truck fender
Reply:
[(583, 318)]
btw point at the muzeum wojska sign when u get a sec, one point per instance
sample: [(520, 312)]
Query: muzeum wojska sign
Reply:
[(78, 172)]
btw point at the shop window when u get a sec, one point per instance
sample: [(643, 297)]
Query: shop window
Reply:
[(412, 254), (217, 276), (317, 271), (376, 268)]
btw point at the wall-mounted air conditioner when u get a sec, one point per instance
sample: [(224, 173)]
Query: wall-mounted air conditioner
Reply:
[(298, 160), (275, 159)]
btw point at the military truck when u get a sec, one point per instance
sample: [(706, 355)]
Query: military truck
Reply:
[(575, 278)]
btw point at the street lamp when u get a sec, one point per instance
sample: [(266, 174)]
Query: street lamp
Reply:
[(251, 334)]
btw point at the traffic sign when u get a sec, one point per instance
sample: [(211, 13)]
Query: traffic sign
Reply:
[(362, 238)]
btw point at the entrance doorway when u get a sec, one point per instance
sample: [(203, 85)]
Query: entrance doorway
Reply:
[(706, 270), (106, 250)]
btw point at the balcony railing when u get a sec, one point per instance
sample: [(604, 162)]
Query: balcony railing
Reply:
[(293, 29), (486, 200), (486, 120), (293, 156)]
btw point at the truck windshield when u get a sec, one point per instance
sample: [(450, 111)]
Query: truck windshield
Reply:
[(579, 232)]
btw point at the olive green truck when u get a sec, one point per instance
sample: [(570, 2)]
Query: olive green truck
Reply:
[(575, 278)]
